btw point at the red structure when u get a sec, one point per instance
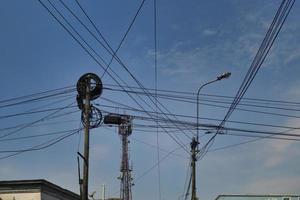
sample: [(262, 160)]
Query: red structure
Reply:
[(125, 129)]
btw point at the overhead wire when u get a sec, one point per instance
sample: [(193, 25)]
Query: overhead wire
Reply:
[(35, 122), (92, 56), (38, 125), (155, 146), (193, 125), (156, 100), (270, 136), (114, 52), (129, 108), (33, 112), (146, 172), (192, 100), (34, 94), (36, 135), (193, 95), (272, 33), (187, 181), (38, 147), (46, 97), (114, 56)]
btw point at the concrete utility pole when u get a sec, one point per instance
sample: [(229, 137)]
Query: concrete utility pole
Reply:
[(87, 110), (194, 152)]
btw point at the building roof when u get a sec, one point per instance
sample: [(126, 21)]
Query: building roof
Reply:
[(257, 195), (34, 185)]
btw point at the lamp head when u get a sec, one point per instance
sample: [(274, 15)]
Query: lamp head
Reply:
[(224, 76)]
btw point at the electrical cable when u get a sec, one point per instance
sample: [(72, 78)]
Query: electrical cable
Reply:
[(38, 147), (263, 51), (92, 56), (155, 146), (33, 112), (193, 101), (155, 165), (114, 55), (129, 108), (193, 95), (34, 122), (37, 99), (37, 135), (33, 94), (156, 100)]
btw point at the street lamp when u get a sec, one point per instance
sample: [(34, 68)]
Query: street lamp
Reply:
[(221, 77), (195, 142)]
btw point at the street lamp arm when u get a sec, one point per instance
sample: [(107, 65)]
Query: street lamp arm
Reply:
[(198, 94), (195, 142), (200, 88), (225, 75)]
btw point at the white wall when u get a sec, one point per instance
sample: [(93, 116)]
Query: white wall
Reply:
[(21, 196)]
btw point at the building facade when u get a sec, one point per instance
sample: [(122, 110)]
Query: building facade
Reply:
[(259, 197), (34, 190)]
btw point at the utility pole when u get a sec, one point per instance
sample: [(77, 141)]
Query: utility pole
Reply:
[(89, 87), (194, 151), (87, 108), (103, 192)]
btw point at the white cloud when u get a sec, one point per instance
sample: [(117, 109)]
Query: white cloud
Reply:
[(293, 56), (209, 32), (278, 153), (294, 91), (274, 185)]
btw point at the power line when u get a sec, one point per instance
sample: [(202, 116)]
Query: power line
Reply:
[(263, 51), (36, 135), (38, 147), (192, 100), (155, 165), (129, 108), (156, 108), (92, 56), (37, 125), (193, 95), (33, 112), (47, 97), (193, 125), (250, 141), (116, 57), (34, 94), (35, 122)]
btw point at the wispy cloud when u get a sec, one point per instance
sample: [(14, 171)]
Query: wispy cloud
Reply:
[(274, 185), (209, 32)]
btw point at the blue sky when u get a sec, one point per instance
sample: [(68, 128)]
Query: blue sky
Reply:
[(197, 40)]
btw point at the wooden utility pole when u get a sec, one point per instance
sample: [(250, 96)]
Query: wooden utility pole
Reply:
[(87, 110), (194, 145), (89, 88)]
